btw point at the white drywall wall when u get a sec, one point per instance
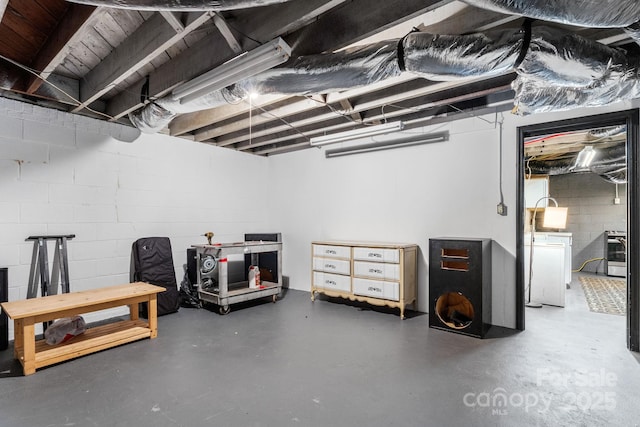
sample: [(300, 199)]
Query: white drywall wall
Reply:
[(445, 189)]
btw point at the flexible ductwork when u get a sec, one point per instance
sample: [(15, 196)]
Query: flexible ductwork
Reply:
[(331, 72), (587, 13), (180, 5), (158, 114), (305, 75), (566, 59), (427, 55), (534, 96), (556, 71), (610, 164), (445, 57), (634, 32)]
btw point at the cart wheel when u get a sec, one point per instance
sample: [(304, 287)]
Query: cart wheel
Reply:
[(275, 298), (224, 309)]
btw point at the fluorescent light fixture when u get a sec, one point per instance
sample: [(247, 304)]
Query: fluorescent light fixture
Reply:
[(241, 67), (585, 157), (357, 133), (389, 144)]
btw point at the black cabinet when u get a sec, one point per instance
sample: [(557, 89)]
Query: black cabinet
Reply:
[(460, 285)]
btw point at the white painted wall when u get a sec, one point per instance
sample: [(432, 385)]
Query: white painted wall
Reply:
[(66, 174), (448, 189), (61, 173)]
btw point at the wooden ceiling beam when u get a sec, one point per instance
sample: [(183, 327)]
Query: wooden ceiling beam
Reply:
[(199, 58), (298, 107), (226, 32), (303, 39), (151, 39), (343, 30), (347, 106), (279, 20), (201, 119), (69, 29), (354, 21), (172, 20), (421, 110), (188, 122), (365, 106)]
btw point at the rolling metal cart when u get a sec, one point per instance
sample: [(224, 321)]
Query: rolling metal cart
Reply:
[(213, 277)]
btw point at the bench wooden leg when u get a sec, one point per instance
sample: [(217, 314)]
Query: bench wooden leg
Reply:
[(18, 338), (29, 347), (153, 315), (133, 311)]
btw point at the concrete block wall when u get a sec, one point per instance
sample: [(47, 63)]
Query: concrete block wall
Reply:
[(592, 211), (67, 174)]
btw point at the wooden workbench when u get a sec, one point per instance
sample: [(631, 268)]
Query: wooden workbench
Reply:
[(34, 354)]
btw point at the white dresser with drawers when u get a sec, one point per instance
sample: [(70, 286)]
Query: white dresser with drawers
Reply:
[(383, 274)]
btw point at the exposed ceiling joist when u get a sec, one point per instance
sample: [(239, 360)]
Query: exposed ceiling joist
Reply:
[(354, 21), (106, 56), (423, 114), (151, 39), (282, 19), (172, 20), (199, 58), (295, 106), (201, 119), (320, 116), (226, 32), (69, 29), (348, 109), (192, 121)]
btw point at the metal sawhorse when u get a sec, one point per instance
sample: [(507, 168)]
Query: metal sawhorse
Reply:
[(40, 266)]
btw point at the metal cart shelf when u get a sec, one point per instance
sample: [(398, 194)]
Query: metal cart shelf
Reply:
[(213, 278)]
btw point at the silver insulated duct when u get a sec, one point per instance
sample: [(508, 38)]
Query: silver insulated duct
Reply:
[(451, 57), (180, 5), (561, 71), (586, 13), (556, 70), (330, 72)]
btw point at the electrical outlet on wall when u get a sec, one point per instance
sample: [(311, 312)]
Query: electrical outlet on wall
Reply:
[(616, 201), (502, 209)]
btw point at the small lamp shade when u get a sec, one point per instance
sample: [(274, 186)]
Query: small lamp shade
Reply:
[(555, 218)]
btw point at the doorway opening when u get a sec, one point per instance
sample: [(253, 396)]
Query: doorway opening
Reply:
[(554, 169)]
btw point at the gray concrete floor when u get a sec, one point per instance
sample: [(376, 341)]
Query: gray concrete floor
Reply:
[(298, 363)]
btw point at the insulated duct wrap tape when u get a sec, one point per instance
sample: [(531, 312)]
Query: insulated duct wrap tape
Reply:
[(587, 13)]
